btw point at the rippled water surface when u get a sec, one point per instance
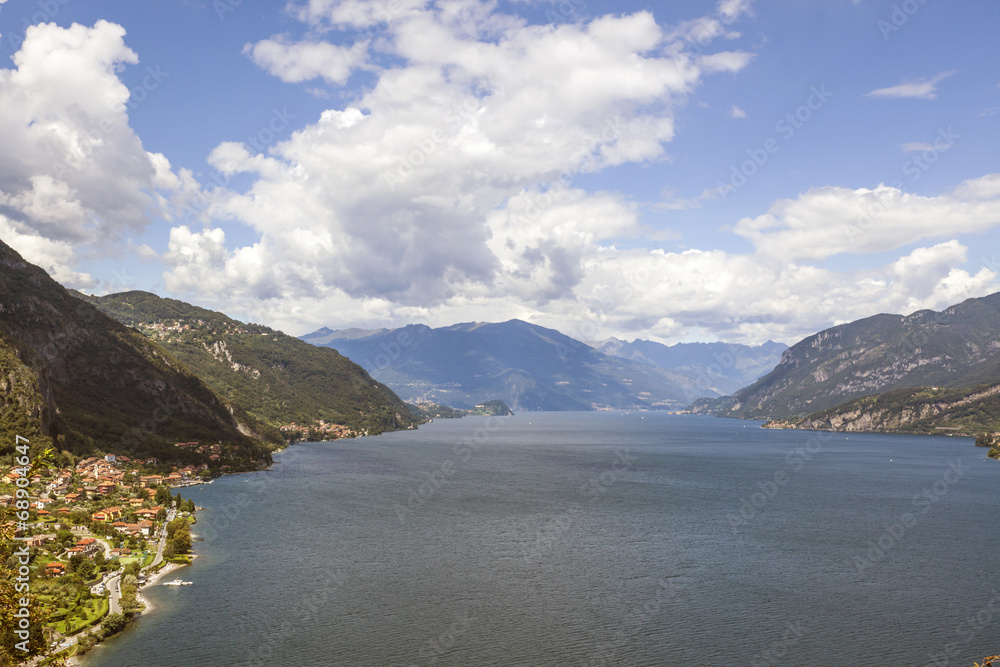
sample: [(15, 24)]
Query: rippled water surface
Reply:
[(590, 539)]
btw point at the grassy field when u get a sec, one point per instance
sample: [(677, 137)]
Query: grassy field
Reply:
[(80, 617)]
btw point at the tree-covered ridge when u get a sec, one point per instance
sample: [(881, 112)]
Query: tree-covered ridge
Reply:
[(276, 378), (93, 385)]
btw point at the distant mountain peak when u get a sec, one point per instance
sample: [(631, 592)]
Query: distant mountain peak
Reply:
[(533, 367)]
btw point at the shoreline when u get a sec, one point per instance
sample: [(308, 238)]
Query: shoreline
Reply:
[(75, 660)]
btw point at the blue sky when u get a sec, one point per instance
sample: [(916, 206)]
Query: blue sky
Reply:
[(736, 170)]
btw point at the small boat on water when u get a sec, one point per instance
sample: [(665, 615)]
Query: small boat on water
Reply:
[(178, 582)]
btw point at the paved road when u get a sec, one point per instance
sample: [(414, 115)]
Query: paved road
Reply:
[(115, 594), (163, 539)]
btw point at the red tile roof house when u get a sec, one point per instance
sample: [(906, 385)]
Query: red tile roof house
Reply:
[(55, 569), (146, 527)]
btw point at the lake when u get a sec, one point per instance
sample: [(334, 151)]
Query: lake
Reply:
[(589, 539)]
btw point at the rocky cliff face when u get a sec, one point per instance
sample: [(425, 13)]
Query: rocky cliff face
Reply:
[(925, 410)]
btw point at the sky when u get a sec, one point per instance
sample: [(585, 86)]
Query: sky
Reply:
[(734, 170)]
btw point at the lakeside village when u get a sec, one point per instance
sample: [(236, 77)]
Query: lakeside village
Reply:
[(97, 530)]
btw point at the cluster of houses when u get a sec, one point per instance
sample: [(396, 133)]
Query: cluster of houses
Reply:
[(328, 430), (114, 515), (214, 451), (98, 478), (162, 330)]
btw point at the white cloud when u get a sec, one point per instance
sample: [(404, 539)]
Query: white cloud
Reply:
[(737, 112), (357, 13), (730, 10), (472, 113), (55, 256), (303, 61), (444, 193), (917, 147), (827, 221), (920, 89), (74, 174)]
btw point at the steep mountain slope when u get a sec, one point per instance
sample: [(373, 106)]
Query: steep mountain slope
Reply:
[(91, 384), (527, 366), (958, 347), (713, 367), (278, 379)]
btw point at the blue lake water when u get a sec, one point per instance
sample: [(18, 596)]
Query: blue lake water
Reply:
[(590, 539)]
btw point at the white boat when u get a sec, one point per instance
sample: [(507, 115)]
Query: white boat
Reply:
[(178, 582)]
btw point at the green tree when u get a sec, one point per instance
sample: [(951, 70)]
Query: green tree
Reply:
[(86, 569), (113, 623), (182, 542)]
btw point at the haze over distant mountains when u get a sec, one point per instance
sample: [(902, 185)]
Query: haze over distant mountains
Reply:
[(534, 368)]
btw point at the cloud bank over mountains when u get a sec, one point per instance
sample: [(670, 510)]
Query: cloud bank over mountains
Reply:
[(449, 187)]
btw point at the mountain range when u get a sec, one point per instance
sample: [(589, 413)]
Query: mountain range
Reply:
[(920, 373), (531, 367)]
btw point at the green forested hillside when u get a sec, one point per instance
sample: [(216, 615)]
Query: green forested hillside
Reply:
[(278, 379), (93, 385)]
